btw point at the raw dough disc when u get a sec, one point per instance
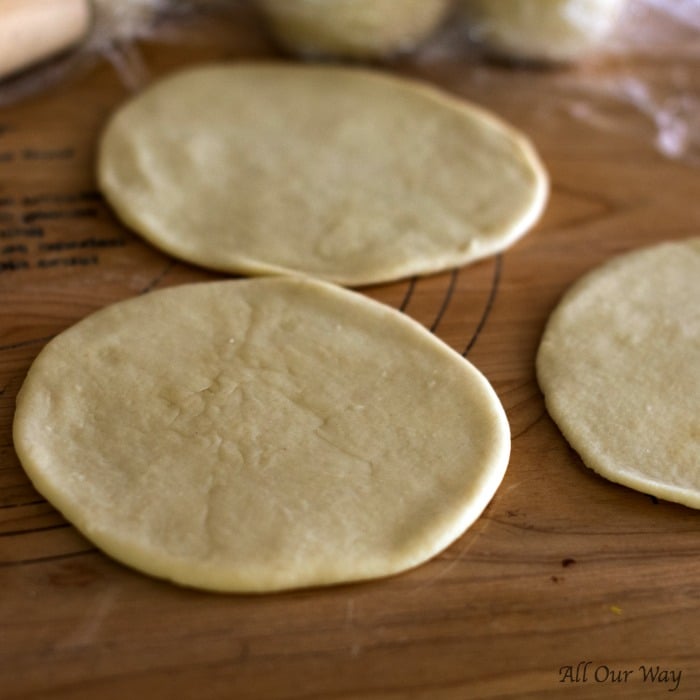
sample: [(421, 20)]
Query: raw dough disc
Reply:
[(336, 173), (619, 365), (261, 434)]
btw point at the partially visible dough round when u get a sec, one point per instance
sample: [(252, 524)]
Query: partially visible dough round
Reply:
[(619, 365), (352, 28), (261, 434), (338, 173), (541, 30)]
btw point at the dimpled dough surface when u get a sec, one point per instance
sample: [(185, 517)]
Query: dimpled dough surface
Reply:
[(343, 174), (619, 365), (260, 435)]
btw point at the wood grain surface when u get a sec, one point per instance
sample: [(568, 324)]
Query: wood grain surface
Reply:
[(563, 567)]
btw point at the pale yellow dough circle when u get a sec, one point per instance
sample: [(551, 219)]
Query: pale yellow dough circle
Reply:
[(261, 434), (338, 173), (619, 365), (352, 28)]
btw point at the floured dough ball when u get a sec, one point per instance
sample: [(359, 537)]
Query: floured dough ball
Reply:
[(343, 174), (557, 31), (261, 434), (619, 365), (352, 28)]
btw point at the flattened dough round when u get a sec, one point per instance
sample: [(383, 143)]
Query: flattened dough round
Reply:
[(261, 434), (619, 365), (338, 173)]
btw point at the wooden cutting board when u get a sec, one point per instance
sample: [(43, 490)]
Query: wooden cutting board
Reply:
[(567, 585)]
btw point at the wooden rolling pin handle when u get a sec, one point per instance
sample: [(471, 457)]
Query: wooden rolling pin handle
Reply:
[(34, 30)]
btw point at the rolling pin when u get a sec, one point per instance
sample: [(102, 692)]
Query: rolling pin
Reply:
[(32, 31)]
